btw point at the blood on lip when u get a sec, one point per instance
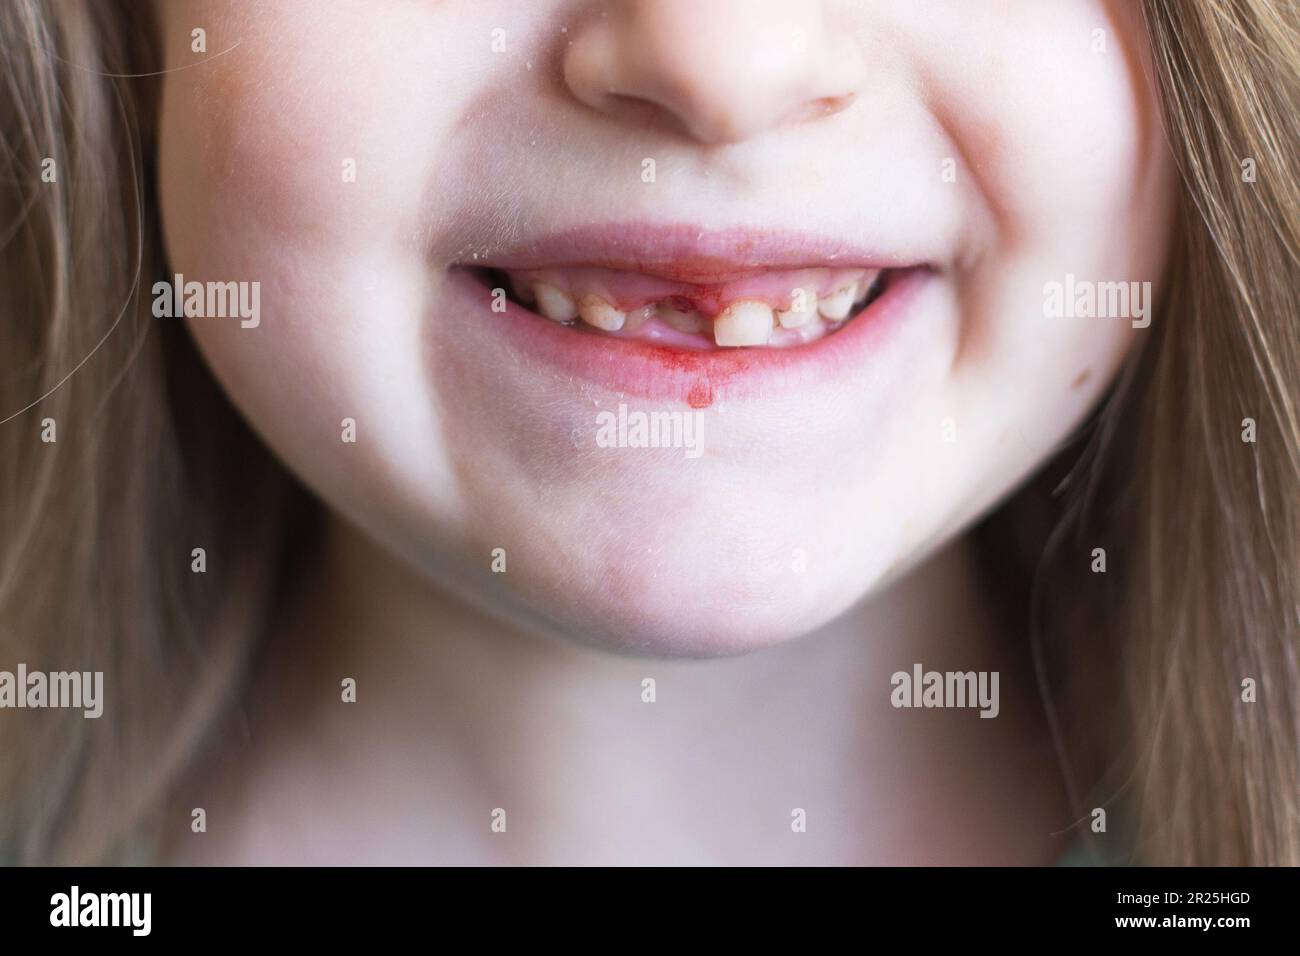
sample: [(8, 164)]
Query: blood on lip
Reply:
[(708, 372), (700, 395)]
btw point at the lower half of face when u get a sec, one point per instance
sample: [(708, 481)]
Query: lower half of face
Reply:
[(660, 326)]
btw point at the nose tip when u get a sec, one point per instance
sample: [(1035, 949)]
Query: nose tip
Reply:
[(722, 71)]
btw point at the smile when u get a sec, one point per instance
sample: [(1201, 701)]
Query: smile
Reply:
[(683, 314), (767, 308)]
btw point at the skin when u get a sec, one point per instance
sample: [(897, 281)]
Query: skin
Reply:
[(522, 690)]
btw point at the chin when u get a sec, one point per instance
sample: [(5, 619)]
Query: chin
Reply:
[(711, 608)]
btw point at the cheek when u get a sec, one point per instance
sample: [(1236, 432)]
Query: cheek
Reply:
[(301, 166), (1052, 115), (287, 140), (1062, 142), (1062, 135)]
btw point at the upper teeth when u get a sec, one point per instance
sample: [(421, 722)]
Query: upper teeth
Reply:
[(743, 323), (638, 317), (867, 286), (681, 321), (837, 305), (601, 314), (803, 308), (554, 303)]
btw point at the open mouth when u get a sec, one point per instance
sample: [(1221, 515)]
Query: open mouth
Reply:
[(759, 308), (678, 313)]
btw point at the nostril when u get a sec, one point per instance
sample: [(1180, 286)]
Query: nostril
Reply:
[(642, 112), (833, 104), (819, 108), (719, 75), (715, 124)]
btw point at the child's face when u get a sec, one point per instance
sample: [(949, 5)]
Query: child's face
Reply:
[(354, 157)]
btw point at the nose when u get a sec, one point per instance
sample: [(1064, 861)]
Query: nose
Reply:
[(722, 71)]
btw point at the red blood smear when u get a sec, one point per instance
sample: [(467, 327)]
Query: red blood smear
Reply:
[(700, 395)]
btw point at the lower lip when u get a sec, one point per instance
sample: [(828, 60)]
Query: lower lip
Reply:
[(700, 378)]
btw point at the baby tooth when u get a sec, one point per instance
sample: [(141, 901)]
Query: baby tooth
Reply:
[(867, 284), (743, 323), (555, 304), (638, 317), (796, 317), (838, 304), (601, 314), (681, 321)]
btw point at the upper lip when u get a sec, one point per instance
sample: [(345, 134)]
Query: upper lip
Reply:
[(682, 252)]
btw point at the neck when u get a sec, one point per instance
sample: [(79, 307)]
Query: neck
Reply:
[(458, 715)]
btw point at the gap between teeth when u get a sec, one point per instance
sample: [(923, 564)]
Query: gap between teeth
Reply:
[(745, 322)]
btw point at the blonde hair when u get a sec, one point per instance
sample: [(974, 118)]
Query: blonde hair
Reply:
[(1215, 598), (97, 527)]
